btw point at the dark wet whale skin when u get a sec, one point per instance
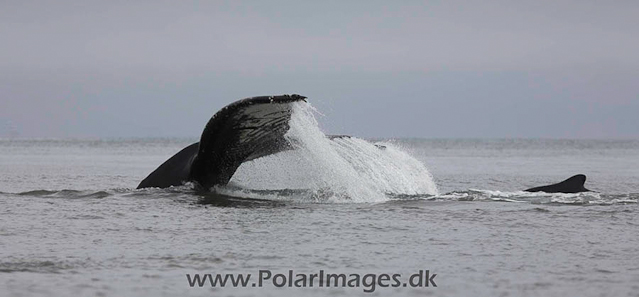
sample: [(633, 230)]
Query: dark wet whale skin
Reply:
[(574, 184), (242, 131)]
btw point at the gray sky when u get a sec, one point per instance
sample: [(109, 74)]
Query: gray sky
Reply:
[(558, 69)]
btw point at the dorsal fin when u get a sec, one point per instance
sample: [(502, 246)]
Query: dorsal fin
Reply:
[(574, 184)]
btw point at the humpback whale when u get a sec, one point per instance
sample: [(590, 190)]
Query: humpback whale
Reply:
[(249, 129), (245, 130), (574, 184)]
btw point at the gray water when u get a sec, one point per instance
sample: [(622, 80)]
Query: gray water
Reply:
[(72, 223)]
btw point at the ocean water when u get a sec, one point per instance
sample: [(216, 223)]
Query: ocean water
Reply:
[(72, 223)]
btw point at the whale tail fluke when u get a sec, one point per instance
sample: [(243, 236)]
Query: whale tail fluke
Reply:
[(242, 131), (173, 172), (574, 184)]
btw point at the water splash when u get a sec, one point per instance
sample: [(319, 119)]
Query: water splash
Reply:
[(344, 169)]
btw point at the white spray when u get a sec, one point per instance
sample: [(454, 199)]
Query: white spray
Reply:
[(339, 170)]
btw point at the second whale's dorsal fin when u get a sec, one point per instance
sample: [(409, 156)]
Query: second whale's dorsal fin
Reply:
[(574, 184)]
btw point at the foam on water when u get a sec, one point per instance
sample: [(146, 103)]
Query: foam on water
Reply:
[(344, 169), (585, 198)]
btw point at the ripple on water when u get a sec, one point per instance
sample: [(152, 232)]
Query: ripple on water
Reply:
[(38, 266), (65, 194)]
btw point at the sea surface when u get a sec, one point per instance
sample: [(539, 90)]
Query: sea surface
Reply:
[(73, 224)]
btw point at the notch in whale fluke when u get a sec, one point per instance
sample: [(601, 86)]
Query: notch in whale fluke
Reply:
[(574, 184)]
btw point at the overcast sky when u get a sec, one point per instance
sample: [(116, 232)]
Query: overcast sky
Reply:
[(554, 69)]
